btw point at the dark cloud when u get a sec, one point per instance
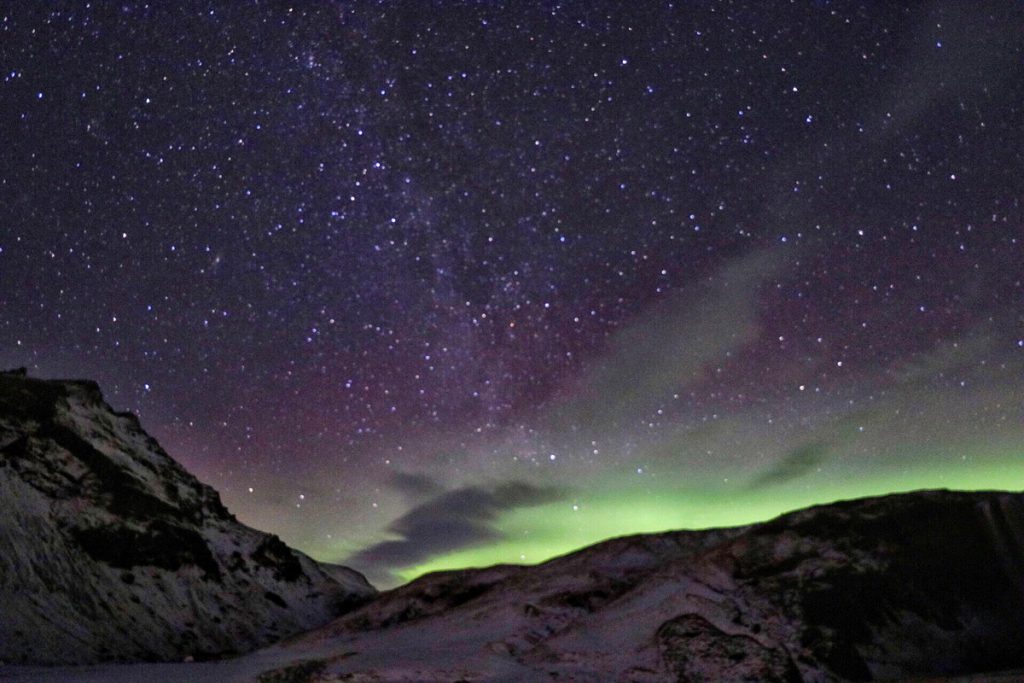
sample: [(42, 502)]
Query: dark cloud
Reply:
[(793, 465), (448, 521), (413, 486)]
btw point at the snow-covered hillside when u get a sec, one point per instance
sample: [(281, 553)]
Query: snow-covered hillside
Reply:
[(110, 550), (919, 584)]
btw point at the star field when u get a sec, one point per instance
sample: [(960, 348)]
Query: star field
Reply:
[(408, 280)]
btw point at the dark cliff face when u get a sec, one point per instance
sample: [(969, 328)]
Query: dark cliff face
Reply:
[(914, 585), (110, 550), (921, 584)]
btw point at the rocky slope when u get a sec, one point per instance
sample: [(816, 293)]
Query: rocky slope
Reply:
[(110, 550)]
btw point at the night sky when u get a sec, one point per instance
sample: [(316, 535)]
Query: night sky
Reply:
[(420, 285)]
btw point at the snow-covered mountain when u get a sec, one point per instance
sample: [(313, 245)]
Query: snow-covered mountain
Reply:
[(110, 550), (921, 586)]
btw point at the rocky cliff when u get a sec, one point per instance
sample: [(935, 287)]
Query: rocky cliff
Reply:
[(110, 550)]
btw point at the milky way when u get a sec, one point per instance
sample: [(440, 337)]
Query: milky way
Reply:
[(423, 285)]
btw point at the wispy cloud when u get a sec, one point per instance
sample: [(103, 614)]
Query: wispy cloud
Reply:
[(673, 344)]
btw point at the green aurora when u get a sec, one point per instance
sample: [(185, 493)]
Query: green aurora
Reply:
[(638, 444), (533, 535)]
